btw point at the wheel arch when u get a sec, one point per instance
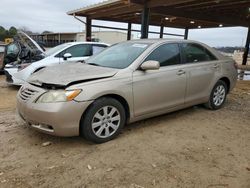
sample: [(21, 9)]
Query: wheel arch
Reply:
[(119, 98), (227, 82)]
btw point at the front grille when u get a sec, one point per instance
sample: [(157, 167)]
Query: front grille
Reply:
[(26, 93)]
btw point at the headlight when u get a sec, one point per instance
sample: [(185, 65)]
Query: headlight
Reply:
[(58, 96)]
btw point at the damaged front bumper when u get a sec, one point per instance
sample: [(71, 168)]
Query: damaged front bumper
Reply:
[(60, 119)]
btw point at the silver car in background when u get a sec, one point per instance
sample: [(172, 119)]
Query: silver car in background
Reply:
[(126, 82)]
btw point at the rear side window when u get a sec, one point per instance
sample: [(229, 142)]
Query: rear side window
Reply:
[(196, 53), (166, 54), (79, 50)]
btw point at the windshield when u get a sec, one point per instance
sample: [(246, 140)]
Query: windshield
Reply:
[(118, 56), (56, 49)]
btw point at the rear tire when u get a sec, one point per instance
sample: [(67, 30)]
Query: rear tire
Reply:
[(103, 120), (217, 96)]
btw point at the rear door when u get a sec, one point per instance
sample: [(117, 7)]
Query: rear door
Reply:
[(79, 52), (157, 90), (201, 67)]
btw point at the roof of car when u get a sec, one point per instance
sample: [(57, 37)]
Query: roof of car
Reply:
[(74, 43), (161, 40)]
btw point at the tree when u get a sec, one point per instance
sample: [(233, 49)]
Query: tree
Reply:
[(47, 32), (2, 33), (12, 31)]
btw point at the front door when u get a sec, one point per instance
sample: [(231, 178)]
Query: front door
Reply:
[(157, 90)]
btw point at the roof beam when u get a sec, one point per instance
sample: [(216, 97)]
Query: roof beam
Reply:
[(200, 3), (117, 11), (201, 16), (156, 3), (223, 5)]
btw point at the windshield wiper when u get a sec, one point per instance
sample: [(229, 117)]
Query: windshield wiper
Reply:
[(93, 64)]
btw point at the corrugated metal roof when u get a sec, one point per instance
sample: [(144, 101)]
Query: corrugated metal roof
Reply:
[(104, 3), (172, 13)]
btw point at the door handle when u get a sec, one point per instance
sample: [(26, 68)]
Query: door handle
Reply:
[(181, 72)]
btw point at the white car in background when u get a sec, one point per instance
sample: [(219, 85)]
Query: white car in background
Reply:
[(61, 54)]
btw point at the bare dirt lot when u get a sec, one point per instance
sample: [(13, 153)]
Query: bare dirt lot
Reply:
[(194, 147)]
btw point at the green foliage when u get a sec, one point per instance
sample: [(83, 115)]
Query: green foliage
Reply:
[(47, 32), (2, 33), (12, 31), (7, 33)]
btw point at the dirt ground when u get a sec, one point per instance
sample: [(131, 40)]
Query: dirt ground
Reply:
[(194, 147)]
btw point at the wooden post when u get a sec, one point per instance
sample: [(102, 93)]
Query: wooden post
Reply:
[(246, 50), (88, 29), (129, 31), (59, 38), (245, 55), (145, 21)]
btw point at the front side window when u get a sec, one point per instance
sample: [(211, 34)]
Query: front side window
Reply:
[(196, 53), (166, 54), (80, 50), (55, 49)]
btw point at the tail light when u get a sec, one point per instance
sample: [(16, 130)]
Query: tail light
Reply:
[(23, 66)]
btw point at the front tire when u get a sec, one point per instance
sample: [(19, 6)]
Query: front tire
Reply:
[(103, 120), (217, 96)]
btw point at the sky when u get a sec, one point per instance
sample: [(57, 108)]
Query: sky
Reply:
[(50, 15)]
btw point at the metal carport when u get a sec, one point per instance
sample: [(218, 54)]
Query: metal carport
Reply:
[(185, 14)]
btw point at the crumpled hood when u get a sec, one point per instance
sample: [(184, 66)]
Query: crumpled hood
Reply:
[(69, 74)]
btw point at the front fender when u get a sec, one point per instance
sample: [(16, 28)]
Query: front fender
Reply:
[(92, 91)]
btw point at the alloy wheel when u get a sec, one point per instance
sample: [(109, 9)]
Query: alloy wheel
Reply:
[(106, 121), (219, 95)]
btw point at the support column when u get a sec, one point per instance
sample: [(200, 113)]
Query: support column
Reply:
[(186, 34), (88, 29), (246, 50), (161, 31), (145, 21), (245, 55), (59, 38), (129, 31)]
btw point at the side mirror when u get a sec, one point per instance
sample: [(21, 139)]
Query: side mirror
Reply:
[(150, 65), (66, 56)]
